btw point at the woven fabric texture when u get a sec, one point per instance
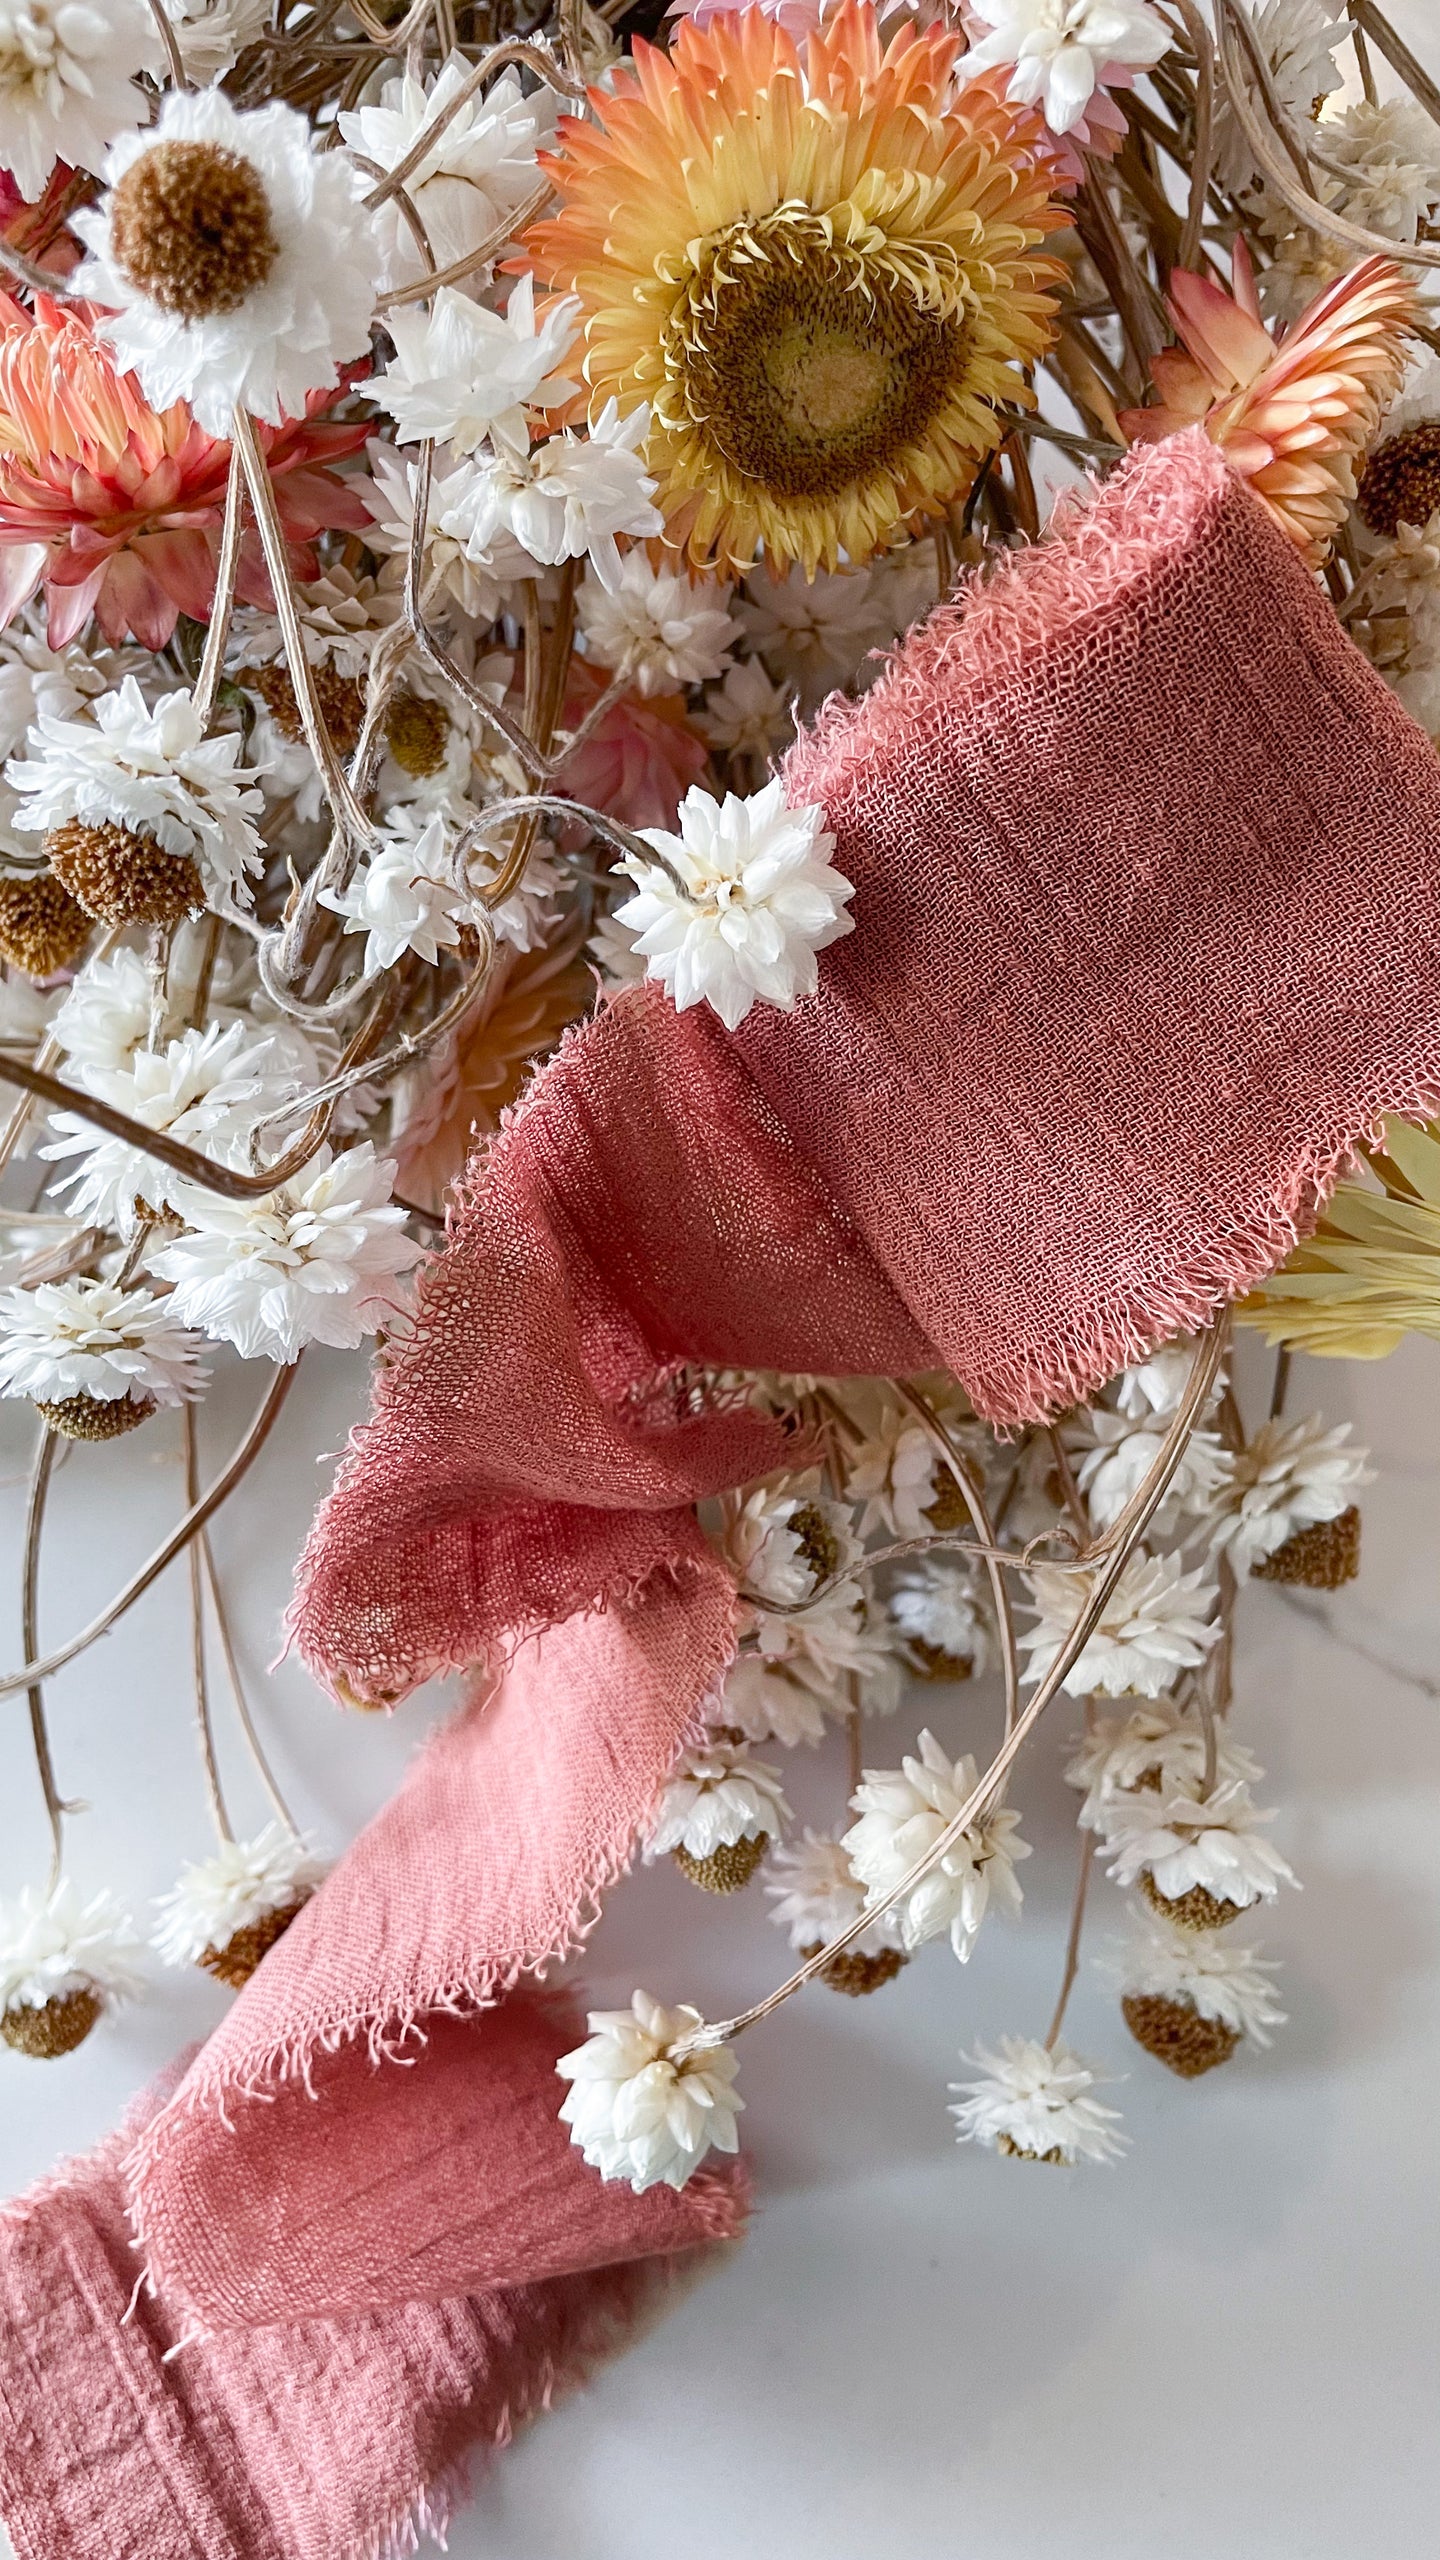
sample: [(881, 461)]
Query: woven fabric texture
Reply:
[(329, 2437)]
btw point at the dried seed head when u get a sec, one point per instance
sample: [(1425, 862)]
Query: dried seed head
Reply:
[(1016, 2151), (1196, 1910), (124, 878), (190, 228), (856, 1974), (49, 2028), (931, 1661), (1400, 483), (234, 1963), (341, 700), (416, 733), (93, 1418), (1176, 2034), (1321, 1557), (725, 1870), (42, 928)]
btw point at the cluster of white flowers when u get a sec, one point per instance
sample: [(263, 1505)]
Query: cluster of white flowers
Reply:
[(153, 771)]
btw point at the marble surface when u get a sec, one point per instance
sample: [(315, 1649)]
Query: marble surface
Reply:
[(1229, 2342)]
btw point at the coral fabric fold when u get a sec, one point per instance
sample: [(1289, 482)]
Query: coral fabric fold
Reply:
[(1147, 871), (432, 2265)]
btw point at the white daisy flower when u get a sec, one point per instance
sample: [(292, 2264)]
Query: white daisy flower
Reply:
[(935, 1607), (784, 1702), (612, 948), (90, 1338), (656, 628), (1113, 1455), (105, 1016), (1159, 1620), (458, 369), (1184, 1840), (902, 1814), (1155, 1388), (1290, 1476), (478, 582), (242, 1885), (782, 1545), (317, 1261), (473, 177), (715, 1797), (340, 616), (214, 33), (746, 714), (235, 262), (206, 1087), (54, 1950), (832, 1642), (1391, 150), (816, 632), (1206, 1971), (896, 1472), (37, 681), (560, 499), (1298, 40), (817, 1893), (1061, 50), (1159, 1742), (1035, 2103), (742, 904), (403, 898), (636, 2113), (154, 772), (528, 914), (69, 73)]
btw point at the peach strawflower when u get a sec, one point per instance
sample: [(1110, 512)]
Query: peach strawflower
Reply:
[(817, 263), (1294, 413), (114, 507)]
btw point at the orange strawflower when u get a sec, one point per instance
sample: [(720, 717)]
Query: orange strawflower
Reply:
[(817, 264), (1294, 413), (114, 507)]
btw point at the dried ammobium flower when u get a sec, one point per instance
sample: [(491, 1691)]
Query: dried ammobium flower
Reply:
[(718, 1813), (227, 1911), (638, 2111), (42, 927), (63, 1962)]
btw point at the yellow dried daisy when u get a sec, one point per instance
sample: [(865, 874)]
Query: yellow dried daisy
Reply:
[(1370, 1273), (817, 267)]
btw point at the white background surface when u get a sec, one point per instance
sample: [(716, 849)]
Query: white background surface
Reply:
[(1230, 2344)]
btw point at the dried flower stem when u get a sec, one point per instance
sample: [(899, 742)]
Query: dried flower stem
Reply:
[(974, 1502), (189, 1527), (204, 1728), (1072, 1942), (244, 1717), (29, 1636)]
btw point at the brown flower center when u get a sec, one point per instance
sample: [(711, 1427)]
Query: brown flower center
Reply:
[(341, 700), (190, 228), (808, 365), (1400, 483), (416, 732)]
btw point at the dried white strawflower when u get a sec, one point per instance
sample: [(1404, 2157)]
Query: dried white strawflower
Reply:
[(62, 1962), (658, 628), (154, 776), (637, 2112), (1059, 52), (1113, 1454), (782, 1544), (903, 1813), (479, 582), (816, 1894), (1160, 1746), (1290, 1476), (1034, 2103), (1205, 1856), (458, 369), (90, 1341), (1189, 1997), (896, 1471), (226, 1911), (563, 498), (206, 1088), (472, 177), (1158, 1621), (235, 263), (935, 1608), (747, 714), (69, 82), (316, 1261), (403, 896), (718, 1810), (744, 900)]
